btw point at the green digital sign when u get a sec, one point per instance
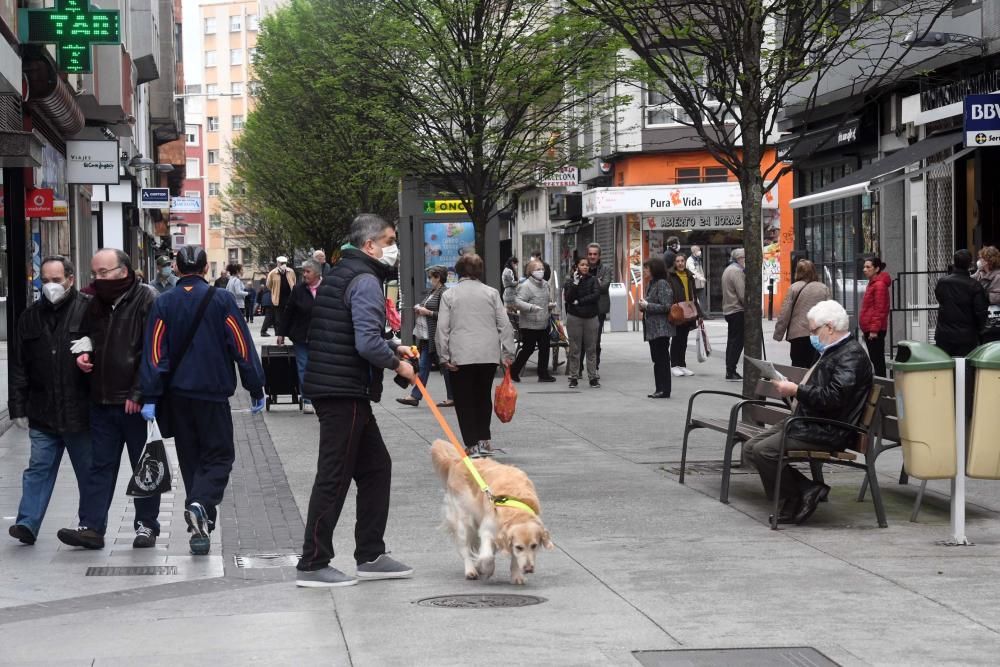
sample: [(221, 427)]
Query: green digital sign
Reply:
[(73, 26)]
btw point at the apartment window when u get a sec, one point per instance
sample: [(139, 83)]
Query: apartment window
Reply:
[(234, 255), (213, 189), (238, 122), (252, 53), (210, 26), (192, 194), (235, 56), (239, 220), (215, 269), (235, 23), (213, 123), (236, 88), (661, 110), (239, 187), (214, 222), (247, 256), (209, 58), (253, 23), (213, 156), (191, 134), (193, 89), (716, 175), (212, 89), (689, 175), (193, 169), (254, 88)]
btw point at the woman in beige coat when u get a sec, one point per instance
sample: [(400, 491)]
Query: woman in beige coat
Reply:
[(473, 336), (793, 325)]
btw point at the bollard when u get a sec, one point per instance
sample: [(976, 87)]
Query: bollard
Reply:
[(770, 299)]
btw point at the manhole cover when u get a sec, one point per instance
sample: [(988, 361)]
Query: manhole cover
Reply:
[(131, 570), (703, 468), (481, 601), (266, 560), (804, 656)]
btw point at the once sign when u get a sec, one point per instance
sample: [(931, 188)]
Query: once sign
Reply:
[(439, 206), (73, 27)]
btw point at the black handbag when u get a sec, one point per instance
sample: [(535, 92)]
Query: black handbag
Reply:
[(164, 409)]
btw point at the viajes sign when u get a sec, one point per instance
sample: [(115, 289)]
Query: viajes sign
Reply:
[(92, 162), (982, 120)]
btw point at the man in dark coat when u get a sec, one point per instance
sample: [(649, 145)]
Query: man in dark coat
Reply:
[(347, 355), (962, 308), (294, 323), (50, 396), (836, 387)]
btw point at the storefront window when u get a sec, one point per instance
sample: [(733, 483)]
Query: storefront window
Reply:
[(5, 336)]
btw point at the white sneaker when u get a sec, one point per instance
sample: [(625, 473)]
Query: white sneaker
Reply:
[(308, 409), (676, 371), (686, 371)]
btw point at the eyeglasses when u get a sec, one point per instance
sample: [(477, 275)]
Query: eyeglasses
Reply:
[(104, 273), (815, 331)]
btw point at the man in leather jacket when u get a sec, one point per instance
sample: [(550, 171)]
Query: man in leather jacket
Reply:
[(962, 308), (116, 321), (836, 387), (49, 395)]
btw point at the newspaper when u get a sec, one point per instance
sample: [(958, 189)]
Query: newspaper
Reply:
[(767, 369)]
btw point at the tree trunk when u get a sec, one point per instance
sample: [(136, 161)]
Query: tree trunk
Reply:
[(752, 190)]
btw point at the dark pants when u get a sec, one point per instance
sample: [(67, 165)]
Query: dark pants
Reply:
[(659, 350), (428, 359), (876, 352), (954, 349), (205, 451), (473, 386), (763, 451), (678, 345), (268, 320), (531, 338), (600, 332), (804, 355), (350, 447), (734, 341), (111, 430)]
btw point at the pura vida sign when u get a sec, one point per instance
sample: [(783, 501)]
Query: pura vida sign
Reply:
[(73, 26)]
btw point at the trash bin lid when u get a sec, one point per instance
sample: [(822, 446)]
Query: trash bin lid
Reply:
[(986, 356), (915, 356)]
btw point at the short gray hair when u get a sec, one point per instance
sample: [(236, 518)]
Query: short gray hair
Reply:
[(68, 268), (595, 246), (738, 253), (366, 227), (313, 266), (832, 313)]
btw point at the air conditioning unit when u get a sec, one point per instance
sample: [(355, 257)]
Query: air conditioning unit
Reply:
[(177, 240)]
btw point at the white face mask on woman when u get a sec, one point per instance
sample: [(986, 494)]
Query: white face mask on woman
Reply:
[(538, 275)]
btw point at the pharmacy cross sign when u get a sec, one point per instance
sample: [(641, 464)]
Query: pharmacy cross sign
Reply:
[(73, 26)]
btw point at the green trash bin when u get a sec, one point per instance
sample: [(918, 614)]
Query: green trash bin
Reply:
[(984, 436), (924, 378)]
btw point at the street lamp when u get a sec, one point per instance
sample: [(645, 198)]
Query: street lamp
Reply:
[(929, 40)]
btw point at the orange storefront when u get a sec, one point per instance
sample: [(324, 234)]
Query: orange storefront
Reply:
[(689, 195)]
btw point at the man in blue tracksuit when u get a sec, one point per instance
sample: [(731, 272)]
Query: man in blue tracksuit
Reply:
[(200, 384)]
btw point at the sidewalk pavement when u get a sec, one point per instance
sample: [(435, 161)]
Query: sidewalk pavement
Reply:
[(641, 562)]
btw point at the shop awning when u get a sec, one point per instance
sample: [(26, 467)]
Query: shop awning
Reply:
[(866, 179)]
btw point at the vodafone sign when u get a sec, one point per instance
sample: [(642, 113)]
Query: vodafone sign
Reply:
[(38, 203)]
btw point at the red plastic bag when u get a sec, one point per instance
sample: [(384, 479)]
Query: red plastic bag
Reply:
[(392, 315), (505, 398)]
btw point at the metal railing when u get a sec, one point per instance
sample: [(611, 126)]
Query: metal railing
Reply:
[(906, 289)]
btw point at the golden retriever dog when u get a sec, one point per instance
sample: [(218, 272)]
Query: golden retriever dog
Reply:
[(480, 528)]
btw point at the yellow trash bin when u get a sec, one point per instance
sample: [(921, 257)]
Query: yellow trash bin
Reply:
[(984, 436), (925, 405)]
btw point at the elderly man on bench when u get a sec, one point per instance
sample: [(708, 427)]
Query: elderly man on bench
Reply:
[(835, 388)]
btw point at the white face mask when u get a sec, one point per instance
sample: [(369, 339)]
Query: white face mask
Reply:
[(538, 275), (981, 265), (390, 255), (54, 292)]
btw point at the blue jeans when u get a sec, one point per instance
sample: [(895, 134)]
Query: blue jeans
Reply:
[(427, 359), (112, 429), (301, 357), (39, 477)]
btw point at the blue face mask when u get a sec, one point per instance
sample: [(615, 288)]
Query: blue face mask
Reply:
[(814, 339)]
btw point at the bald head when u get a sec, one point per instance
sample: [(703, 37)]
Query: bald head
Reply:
[(110, 264)]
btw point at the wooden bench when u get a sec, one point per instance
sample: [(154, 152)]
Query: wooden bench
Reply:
[(747, 418), (866, 427)]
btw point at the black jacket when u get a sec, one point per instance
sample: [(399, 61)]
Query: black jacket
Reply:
[(336, 367), (582, 300), (117, 335), (962, 306), (294, 320), (46, 385), (677, 287), (837, 388)]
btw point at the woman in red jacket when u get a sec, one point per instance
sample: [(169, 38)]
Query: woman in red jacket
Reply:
[(874, 317)]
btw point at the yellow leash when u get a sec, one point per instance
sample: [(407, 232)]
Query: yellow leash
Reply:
[(499, 501)]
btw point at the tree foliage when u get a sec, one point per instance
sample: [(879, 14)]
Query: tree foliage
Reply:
[(310, 156), (732, 65)]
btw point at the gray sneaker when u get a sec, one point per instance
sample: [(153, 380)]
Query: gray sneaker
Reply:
[(383, 567), (325, 578)]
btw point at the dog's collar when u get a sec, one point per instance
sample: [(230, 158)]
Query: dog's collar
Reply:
[(506, 501)]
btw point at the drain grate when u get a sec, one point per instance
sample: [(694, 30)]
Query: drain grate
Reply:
[(481, 601), (131, 570), (266, 560), (804, 656), (715, 468)]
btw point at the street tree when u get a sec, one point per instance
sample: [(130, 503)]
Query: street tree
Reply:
[(309, 156), (730, 66), (483, 96)]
